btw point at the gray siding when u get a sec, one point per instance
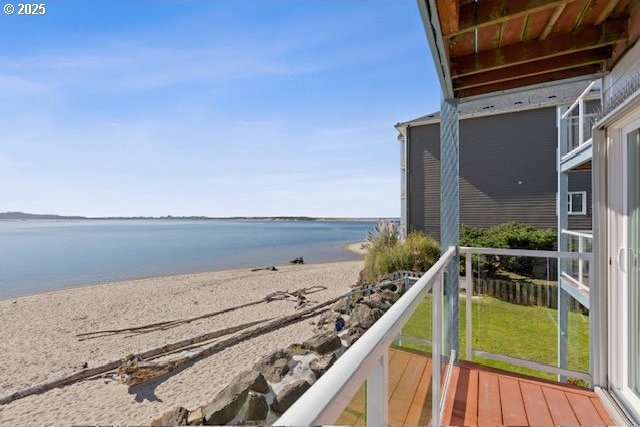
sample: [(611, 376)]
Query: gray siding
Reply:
[(507, 172), (581, 181)]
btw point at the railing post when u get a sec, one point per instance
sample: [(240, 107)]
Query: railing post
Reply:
[(377, 393), (581, 261), (469, 317), (580, 120), (436, 348), (563, 224)]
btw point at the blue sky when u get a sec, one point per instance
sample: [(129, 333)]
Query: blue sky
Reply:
[(215, 108)]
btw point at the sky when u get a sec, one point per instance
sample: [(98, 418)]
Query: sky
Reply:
[(217, 108)]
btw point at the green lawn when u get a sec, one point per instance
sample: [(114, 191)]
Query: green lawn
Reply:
[(513, 330)]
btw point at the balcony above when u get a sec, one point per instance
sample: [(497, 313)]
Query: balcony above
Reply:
[(490, 46)]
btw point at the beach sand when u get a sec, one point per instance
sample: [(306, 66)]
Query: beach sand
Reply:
[(38, 342), (358, 248)]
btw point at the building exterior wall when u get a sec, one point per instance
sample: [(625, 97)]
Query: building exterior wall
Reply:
[(507, 172)]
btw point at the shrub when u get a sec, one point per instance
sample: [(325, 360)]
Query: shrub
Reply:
[(417, 253), (510, 235)]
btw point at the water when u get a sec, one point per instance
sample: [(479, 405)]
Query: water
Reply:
[(38, 255)]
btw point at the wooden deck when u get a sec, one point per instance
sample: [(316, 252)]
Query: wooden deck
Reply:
[(479, 396)]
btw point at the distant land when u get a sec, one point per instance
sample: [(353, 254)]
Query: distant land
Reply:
[(26, 216)]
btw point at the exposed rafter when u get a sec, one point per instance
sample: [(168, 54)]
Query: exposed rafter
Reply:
[(450, 18), (587, 38), (587, 70), (489, 12), (604, 14), (572, 60), (552, 21)]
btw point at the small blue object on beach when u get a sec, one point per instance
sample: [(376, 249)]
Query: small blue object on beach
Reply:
[(339, 324)]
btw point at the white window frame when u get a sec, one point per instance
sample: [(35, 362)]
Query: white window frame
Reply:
[(570, 210)]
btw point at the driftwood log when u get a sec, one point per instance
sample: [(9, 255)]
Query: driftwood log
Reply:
[(151, 370), (296, 295), (271, 325), (115, 364)]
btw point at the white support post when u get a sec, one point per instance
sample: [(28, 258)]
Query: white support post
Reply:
[(563, 224), (436, 348), (377, 393), (580, 261), (581, 120), (450, 214), (469, 316)]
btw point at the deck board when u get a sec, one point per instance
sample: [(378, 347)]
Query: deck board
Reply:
[(511, 402), (489, 407), (560, 408), (479, 396), (535, 405)]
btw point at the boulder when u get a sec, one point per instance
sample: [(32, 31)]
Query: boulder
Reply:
[(352, 335), (323, 342), (195, 417), (296, 350), (362, 316), (288, 395), (257, 407), (320, 365), (341, 307), (228, 402), (376, 301), (389, 295), (175, 417), (274, 366)]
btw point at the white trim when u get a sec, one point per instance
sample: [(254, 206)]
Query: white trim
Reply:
[(326, 399), (569, 202), (587, 256)]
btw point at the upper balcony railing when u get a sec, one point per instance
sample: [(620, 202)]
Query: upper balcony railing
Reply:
[(578, 123), (578, 270), (361, 375)]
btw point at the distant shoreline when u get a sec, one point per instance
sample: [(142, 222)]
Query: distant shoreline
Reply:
[(22, 216)]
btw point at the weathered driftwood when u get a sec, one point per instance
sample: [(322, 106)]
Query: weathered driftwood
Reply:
[(115, 364), (296, 295), (154, 369), (171, 347)]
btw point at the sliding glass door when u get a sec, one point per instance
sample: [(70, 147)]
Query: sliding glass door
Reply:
[(624, 251), (632, 285)]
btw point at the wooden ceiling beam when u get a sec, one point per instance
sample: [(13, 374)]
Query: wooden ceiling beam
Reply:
[(611, 4), (544, 66), (529, 81), (552, 21), (490, 12), (590, 37), (448, 12)]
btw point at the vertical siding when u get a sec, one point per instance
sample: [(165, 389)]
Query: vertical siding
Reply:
[(507, 172)]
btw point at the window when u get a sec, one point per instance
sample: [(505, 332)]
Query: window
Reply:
[(577, 202)]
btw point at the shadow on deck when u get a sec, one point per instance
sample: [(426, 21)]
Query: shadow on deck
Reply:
[(479, 396)]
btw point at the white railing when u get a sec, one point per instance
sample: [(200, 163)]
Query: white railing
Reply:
[(367, 360), (583, 239), (529, 364), (583, 122)]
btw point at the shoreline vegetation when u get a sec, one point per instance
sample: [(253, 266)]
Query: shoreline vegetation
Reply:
[(20, 216)]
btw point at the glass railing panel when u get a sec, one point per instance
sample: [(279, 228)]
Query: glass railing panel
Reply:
[(578, 340), (355, 414), (514, 311)]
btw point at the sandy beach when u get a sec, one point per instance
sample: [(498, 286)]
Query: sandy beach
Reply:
[(38, 339)]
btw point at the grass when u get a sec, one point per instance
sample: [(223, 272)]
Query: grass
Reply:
[(526, 332)]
